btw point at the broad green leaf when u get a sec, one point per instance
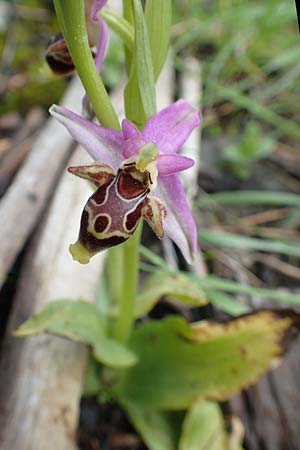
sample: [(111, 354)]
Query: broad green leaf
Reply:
[(177, 286), (77, 320), (81, 322), (112, 353), (155, 427), (120, 26), (204, 428), (158, 14), (179, 363), (221, 239)]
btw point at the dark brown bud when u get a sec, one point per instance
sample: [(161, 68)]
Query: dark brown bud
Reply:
[(58, 56)]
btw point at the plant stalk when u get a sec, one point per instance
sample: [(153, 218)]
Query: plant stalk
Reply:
[(72, 22), (130, 280)]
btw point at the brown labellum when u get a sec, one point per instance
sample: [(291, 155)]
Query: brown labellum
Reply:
[(113, 212)]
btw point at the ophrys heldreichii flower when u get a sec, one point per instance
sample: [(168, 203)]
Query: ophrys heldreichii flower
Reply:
[(135, 175)]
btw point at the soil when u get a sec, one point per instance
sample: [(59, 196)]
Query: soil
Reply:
[(105, 427)]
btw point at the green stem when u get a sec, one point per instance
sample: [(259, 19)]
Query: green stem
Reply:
[(130, 279), (72, 22), (125, 319), (115, 274)]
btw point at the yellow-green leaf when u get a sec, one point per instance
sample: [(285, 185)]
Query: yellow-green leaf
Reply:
[(76, 320), (81, 322), (113, 354), (179, 363), (155, 427), (140, 98), (204, 428), (175, 286), (144, 66), (120, 26), (158, 15)]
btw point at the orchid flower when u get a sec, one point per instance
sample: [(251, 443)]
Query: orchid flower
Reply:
[(135, 176)]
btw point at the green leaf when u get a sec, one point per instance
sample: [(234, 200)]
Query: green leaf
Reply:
[(81, 322), (144, 64), (221, 239), (155, 427), (129, 16), (113, 354), (204, 428), (120, 26), (76, 320), (179, 362), (140, 98), (133, 102), (176, 286), (158, 14)]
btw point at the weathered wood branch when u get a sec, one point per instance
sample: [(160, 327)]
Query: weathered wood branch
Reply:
[(41, 377), (29, 193)]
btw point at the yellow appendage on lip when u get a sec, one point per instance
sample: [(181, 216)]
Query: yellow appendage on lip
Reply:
[(147, 155), (80, 253)]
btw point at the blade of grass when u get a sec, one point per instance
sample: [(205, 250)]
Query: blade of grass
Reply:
[(221, 239), (226, 303), (286, 126), (215, 283), (250, 198)]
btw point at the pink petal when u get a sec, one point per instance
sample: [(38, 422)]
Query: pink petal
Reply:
[(132, 146), (102, 47), (171, 127), (97, 6), (133, 139), (168, 164), (179, 224), (102, 44), (130, 130), (103, 144)]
